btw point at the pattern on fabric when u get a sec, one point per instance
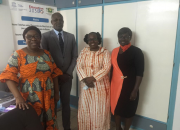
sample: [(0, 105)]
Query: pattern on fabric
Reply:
[(13, 61), (36, 84), (94, 103)]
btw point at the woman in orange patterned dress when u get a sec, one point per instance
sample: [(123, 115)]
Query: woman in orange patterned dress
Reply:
[(38, 78), (93, 65)]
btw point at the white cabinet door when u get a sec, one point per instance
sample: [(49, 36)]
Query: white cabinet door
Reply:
[(156, 26), (116, 17), (6, 41)]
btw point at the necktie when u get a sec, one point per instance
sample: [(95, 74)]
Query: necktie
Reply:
[(61, 42)]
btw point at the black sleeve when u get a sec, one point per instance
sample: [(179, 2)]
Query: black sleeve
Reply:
[(111, 72), (139, 62)]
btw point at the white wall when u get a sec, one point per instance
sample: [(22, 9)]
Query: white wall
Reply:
[(176, 120), (154, 25), (89, 20), (124, 16), (6, 34)]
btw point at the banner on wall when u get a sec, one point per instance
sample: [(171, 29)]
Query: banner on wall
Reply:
[(26, 14)]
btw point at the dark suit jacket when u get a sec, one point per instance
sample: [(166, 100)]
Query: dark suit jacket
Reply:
[(66, 61)]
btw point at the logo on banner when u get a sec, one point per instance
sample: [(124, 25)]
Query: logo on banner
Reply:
[(20, 5), (13, 4), (49, 10), (20, 8), (36, 9)]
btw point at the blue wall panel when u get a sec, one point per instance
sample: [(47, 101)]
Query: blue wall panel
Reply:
[(30, 0), (0, 1), (47, 2), (65, 3), (89, 2), (107, 1)]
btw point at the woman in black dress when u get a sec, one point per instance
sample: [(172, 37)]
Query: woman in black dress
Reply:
[(126, 76)]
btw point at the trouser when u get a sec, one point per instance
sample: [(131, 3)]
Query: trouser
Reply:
[(65, 89), (18, 119)]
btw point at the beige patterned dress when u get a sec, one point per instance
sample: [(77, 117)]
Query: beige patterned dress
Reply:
[(94, 103)]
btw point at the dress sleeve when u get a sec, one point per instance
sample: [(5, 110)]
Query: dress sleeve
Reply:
[(56, 70), (105, 68), (12, 69), (79, 67), (139, 63)]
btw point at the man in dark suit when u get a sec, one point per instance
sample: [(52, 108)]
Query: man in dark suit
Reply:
[(63, 49)]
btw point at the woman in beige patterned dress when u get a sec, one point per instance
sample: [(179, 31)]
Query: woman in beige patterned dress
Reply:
[(93, 65)]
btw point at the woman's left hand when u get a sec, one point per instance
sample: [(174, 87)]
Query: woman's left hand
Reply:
[(89, 80), (133, 95), (56, 97)]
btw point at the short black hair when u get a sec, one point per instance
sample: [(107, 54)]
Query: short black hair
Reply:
[(57, 13), (99, 38), (31, 28), (125, 30)]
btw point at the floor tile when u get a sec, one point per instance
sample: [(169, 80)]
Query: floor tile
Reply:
[(74, 109), (75, 128), (73, 114), (113, 128), (59, 113), (74, 124), (113, 124)]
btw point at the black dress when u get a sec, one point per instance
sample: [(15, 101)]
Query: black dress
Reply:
[(131, 63)]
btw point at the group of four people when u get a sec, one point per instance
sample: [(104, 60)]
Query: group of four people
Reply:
[(43, 73)]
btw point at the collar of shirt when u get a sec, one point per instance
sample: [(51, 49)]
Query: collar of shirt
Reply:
[(101, 50), (57, 32)]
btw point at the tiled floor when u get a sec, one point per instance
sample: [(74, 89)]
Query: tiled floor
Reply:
[(74, 125)]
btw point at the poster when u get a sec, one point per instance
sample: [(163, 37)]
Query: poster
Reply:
[(26, 14)]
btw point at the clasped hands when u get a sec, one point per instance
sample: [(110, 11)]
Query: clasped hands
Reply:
[(89, 81)]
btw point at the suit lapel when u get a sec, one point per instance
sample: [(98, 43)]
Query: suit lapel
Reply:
[(55, 39), (65, 41)]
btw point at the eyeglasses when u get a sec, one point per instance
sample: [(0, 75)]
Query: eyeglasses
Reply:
[(93, 39), (56, 20), (124, 37), (29, 37)]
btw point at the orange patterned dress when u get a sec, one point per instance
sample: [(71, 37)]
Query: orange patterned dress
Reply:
[(94, 103), (36, 83)]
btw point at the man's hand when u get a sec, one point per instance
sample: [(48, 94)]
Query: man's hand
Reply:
[(64, 78), (56, 97)]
